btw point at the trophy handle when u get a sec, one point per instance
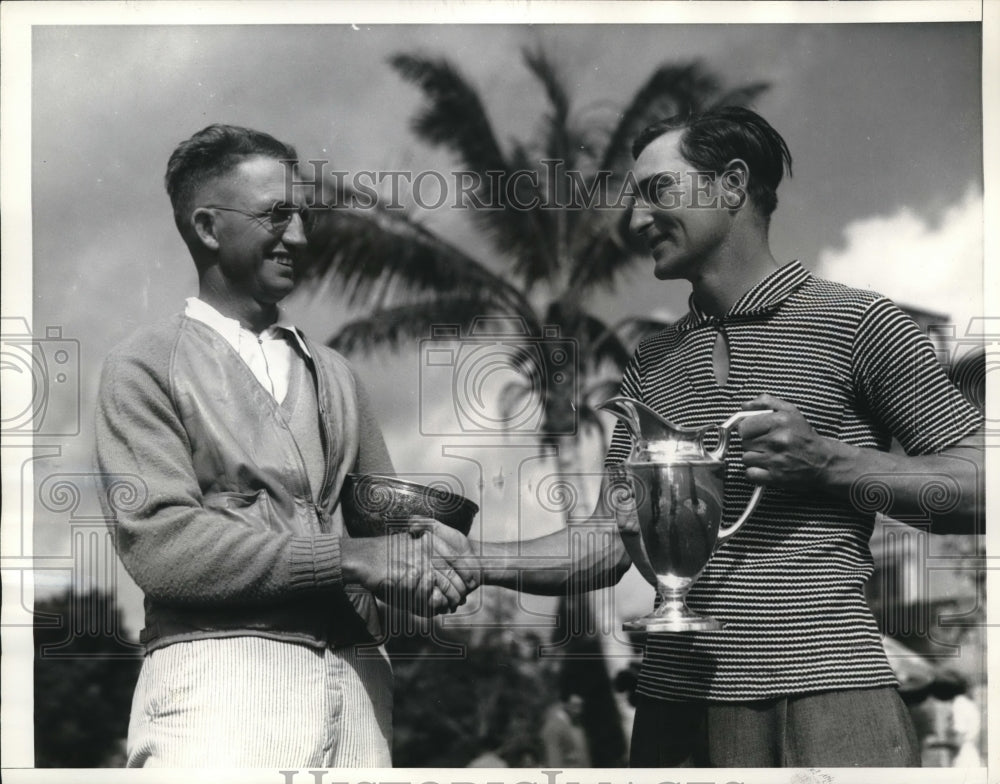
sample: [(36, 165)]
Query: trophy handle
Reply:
[(724, 430), (725, 533), (726, 427)]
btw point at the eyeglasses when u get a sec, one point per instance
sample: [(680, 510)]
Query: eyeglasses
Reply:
[(275, 218)]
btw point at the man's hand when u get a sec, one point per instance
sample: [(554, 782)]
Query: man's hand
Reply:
[(455, 563), (781, 448), (425, 570)]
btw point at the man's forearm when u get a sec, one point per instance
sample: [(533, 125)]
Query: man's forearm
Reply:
[(946, 488), (781, 449), (580, 557)]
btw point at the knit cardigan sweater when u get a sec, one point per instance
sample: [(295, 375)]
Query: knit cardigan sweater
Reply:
[(208, 495)]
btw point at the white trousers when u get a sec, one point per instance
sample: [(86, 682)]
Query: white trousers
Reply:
[(251, 702)]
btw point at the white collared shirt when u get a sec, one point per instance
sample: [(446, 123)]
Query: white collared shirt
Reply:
[(268, 355)]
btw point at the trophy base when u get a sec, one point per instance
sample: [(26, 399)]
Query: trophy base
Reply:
[(673, 622)]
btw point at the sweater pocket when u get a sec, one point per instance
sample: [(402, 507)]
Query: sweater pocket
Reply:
[(251, 509)]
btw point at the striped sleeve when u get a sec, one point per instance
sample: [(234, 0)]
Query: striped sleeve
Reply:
[(897, 376)]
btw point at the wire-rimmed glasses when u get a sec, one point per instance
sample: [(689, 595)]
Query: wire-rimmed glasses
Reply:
[(275, 218)]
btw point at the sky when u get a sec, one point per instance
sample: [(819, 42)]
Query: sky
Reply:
[(884, 122)]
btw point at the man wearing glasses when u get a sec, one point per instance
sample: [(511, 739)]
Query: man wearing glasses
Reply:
[(260, 611)]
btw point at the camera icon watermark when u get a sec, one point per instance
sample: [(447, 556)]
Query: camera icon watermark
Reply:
[(498, 379), (41, 381)]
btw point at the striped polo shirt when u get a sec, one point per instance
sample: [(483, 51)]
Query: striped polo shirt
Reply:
[(790, 583)]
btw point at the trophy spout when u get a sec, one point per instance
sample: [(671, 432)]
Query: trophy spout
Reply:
[(624, 409), (642, 422)]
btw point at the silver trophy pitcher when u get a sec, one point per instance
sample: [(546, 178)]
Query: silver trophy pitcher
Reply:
[(678, 486)]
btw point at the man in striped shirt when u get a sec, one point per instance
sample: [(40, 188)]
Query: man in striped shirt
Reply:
[(798, 677)]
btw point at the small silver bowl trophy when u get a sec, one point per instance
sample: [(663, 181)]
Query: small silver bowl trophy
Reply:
[(678, 485), (376, 504)]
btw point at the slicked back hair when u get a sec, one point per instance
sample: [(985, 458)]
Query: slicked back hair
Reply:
[(210, 153), (713, 138)]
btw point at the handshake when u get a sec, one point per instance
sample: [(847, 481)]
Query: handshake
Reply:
[(427, 569), (431, 568)]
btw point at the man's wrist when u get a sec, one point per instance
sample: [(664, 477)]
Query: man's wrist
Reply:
[(494, 562), (844, 464), (359, 560), (491, 561)]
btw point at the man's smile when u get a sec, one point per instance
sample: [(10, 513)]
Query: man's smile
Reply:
[(657, 240)]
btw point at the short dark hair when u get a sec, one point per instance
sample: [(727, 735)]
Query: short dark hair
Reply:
[(212, 152), (713, 138)]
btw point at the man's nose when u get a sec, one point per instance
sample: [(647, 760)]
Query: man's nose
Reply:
[(295, 231), (640, 219)]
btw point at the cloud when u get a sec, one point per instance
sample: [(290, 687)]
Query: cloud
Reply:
[(935, 264)]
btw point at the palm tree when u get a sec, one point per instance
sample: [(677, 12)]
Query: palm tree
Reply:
[(546, 263)]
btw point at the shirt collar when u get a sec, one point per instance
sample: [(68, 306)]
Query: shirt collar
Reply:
[(230, 328), (765, 296)]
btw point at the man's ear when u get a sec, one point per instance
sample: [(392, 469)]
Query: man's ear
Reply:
[(203, 222), (735, 183)]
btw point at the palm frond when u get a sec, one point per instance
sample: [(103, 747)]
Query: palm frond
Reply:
[(671, 90), (629, 332), (574, 148), (394, 327), (380, 256), (596, 343), (741, 96), (453, 116), (507, 189), (557, 134), (513, 397), (525, 229), (606, 348), (561, 147), (604, 249)]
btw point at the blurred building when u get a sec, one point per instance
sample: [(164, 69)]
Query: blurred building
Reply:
[(928, 591)]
